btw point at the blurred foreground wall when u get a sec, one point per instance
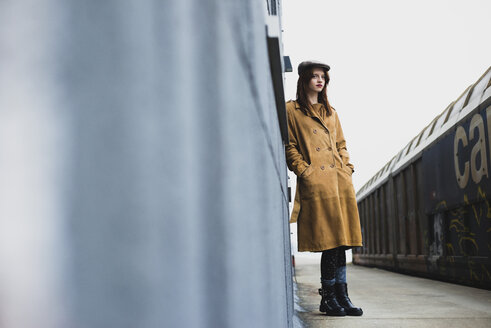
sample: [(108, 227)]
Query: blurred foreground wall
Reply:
[(142, 172)]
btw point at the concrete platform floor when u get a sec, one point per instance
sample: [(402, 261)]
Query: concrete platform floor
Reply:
[(391, 300)]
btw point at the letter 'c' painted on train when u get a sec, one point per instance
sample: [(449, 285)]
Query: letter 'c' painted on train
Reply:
[(480, 147), (461, 178)]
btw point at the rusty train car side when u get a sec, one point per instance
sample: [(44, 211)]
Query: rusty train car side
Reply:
[(427, 212)]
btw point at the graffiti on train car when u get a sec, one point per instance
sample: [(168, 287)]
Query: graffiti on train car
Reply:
[(457, 194), (467, 234), (459, 163)]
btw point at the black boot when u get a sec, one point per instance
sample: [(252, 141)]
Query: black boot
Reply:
[(329, 304), (345, 302)]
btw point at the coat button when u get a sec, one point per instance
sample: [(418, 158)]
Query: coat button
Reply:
[(326, 131), (315, 130), (322, 167), (332, 165), (330, 148), (318, 149)]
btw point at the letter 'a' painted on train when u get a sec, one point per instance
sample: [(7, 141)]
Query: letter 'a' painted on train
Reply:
[(462, 179), (479, 147)]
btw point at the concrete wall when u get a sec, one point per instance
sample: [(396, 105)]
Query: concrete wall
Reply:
[(142, 173)]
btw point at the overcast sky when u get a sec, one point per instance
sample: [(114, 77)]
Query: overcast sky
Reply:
[(395, 65)]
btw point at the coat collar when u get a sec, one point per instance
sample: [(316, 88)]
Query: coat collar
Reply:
[(309, 113), (312, 115)]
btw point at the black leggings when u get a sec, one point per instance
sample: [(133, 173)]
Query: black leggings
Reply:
[(331, 261)]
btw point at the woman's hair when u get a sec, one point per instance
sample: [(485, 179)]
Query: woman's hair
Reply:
[(302, 87)]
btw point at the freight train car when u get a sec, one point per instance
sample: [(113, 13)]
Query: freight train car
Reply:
[(427, 211)]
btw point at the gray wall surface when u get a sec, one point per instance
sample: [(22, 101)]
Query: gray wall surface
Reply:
[(142, 172)]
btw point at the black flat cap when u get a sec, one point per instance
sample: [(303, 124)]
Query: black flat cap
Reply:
[(311, 63)]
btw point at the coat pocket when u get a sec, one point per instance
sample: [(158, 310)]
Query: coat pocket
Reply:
[(308, 182), (308, 171), (347, 169)]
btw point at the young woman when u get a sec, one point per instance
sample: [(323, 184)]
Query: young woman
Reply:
[(325, 206)]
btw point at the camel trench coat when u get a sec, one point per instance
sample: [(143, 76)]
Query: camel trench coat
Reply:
[(325, 206)]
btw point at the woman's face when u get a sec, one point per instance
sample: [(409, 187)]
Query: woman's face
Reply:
[(318, 80)]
